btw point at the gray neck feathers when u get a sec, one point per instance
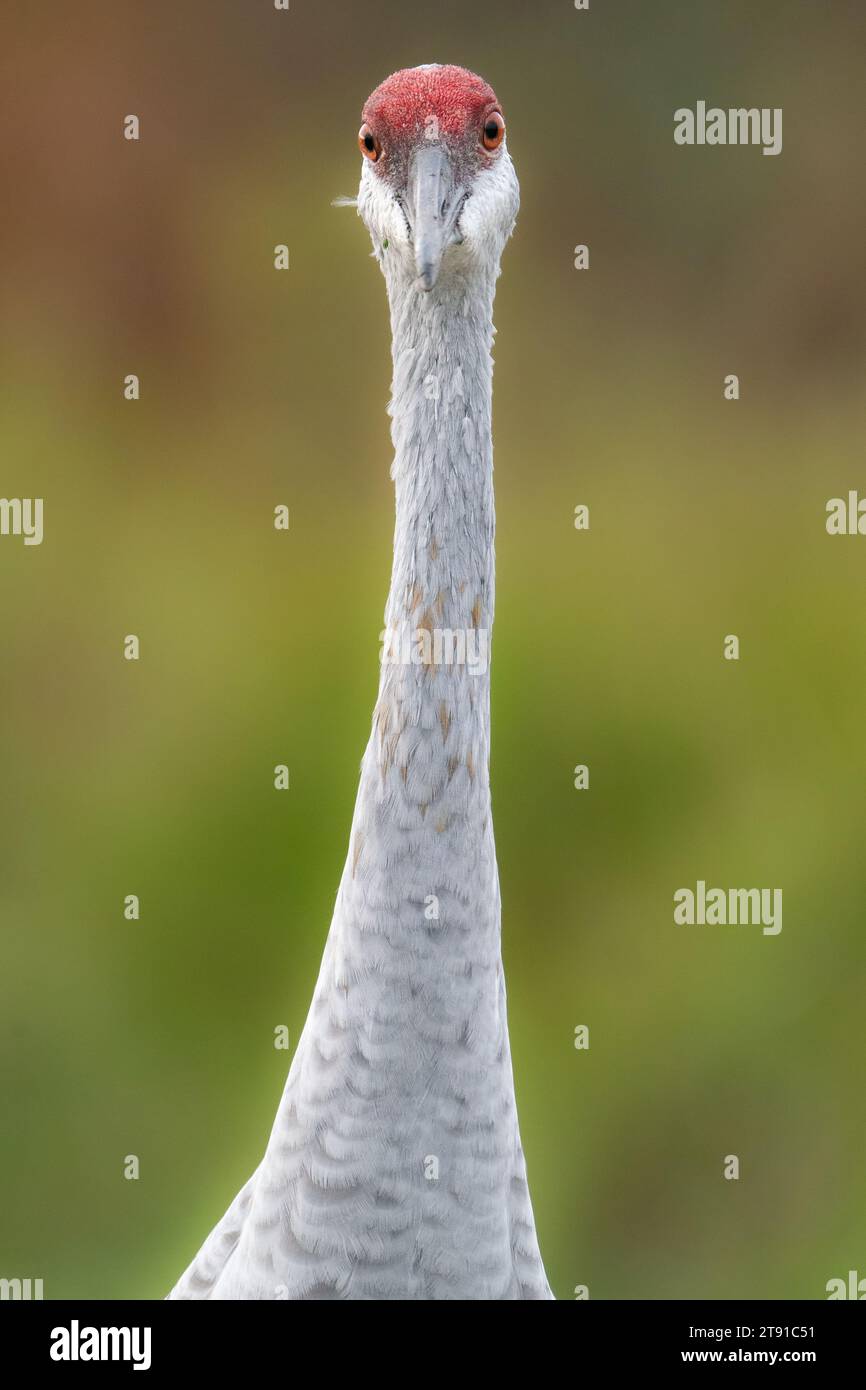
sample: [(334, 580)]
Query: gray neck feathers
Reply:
[(422, 826)]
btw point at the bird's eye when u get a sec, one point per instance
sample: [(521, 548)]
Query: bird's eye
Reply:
[(494, 131), (368, 144)]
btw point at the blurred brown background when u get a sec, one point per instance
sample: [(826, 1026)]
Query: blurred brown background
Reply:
[(707, 517)]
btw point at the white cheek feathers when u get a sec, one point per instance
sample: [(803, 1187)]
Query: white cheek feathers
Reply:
[(484, 226), (490, 212), (383, 217)]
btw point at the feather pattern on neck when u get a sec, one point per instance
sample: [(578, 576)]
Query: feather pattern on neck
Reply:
[(394, 1169)]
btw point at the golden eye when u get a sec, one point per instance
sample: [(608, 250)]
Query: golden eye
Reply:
[(368, 144), (494, 131)]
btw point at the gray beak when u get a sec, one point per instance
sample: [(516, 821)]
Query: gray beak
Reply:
[(433, 203)]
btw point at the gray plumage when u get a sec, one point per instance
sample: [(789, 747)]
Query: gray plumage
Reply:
[(394, 1169)]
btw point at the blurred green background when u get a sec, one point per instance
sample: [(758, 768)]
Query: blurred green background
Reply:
[(707, 517)]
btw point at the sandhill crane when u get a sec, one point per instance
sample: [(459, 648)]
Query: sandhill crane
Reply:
[(394, 1168)]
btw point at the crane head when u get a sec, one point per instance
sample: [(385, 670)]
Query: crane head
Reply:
[(438, 188)]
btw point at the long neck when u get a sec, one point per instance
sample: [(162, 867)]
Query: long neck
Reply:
[(443, 463), (422, 824)]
